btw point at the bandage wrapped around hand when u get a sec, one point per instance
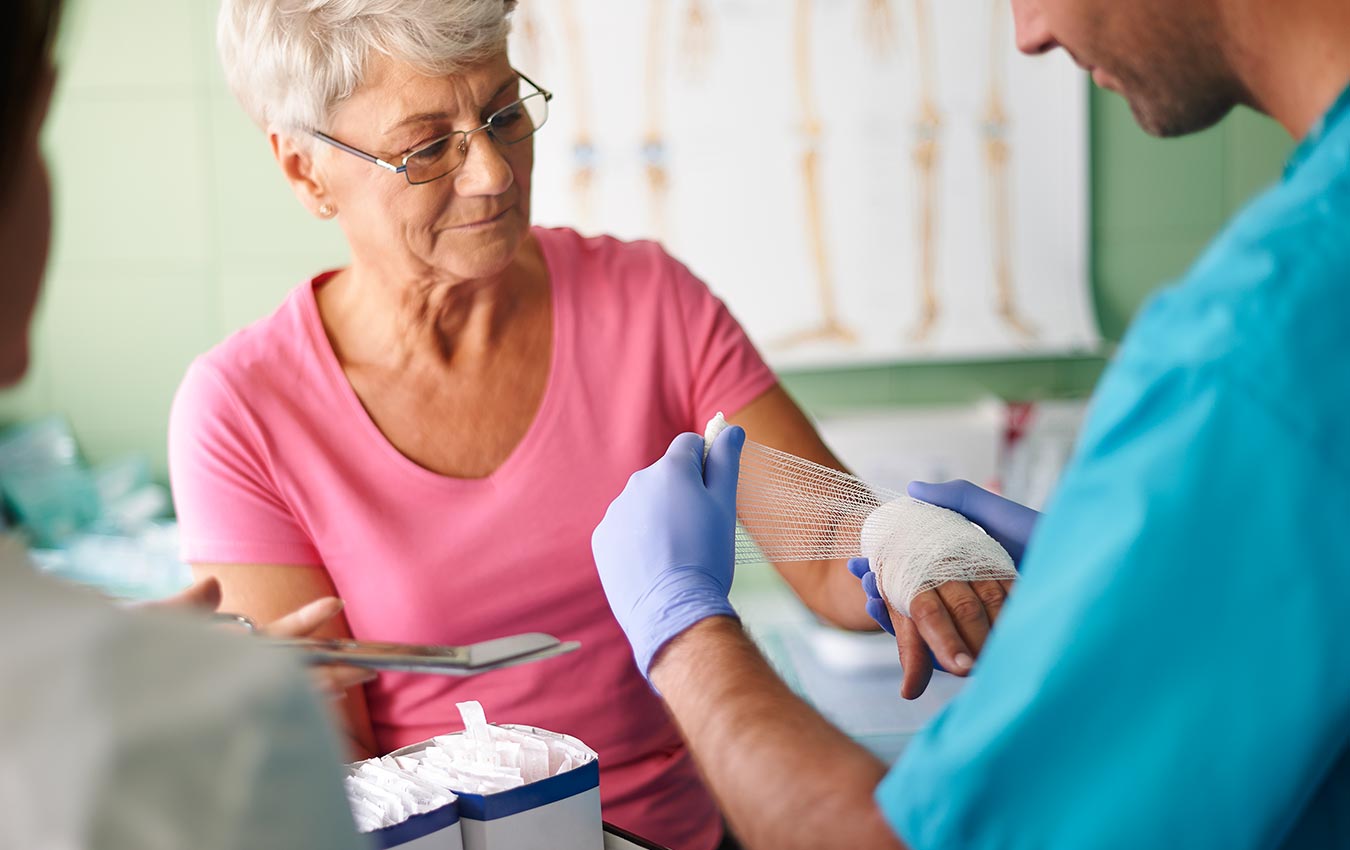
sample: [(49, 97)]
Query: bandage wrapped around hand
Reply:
[(797, 510), (914, 546)]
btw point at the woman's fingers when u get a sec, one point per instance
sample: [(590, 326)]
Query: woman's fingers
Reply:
[(916, 663), (334, 680), (203, 595), (306, 620), (934, 623)]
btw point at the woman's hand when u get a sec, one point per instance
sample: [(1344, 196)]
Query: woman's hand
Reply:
[(332, 680), (950, 623), (202, 596)]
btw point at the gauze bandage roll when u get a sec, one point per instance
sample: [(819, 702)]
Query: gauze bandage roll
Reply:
[(790, 509)]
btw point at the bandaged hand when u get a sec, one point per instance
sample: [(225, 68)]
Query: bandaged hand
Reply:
[(665, 550), (949, 625), (1004, 520)]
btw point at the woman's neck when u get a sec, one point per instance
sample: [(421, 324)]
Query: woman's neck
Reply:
[(383, 318)]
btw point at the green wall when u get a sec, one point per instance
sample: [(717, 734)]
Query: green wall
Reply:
[(174, 229)]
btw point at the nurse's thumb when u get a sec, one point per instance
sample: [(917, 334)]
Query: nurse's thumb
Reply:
[(722, 469)]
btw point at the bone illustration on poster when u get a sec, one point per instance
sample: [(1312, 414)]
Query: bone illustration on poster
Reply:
[(527, 45), (654, 149), (696, 40), (879, 29), (585, 155), (861, 182), (926, 152), (995, 128), (830, 327)]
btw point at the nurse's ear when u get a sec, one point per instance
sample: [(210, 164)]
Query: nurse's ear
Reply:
[(296, 156)]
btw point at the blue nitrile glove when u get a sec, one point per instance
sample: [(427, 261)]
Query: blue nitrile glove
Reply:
[(666, 548), (876, 606), (1006, 521)]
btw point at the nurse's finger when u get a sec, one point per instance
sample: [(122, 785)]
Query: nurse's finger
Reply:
[(306, 620), (1007, 586), (915, 660), (935, 626), (967, 612)]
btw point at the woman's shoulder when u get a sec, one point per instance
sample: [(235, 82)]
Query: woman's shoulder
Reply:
[(261, 362), (274, 347), (629, 270), (565, 247)]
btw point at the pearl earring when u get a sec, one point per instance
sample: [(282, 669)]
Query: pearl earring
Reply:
[(327, 211)]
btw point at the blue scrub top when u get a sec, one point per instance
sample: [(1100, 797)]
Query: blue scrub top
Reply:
[(1173, 668)]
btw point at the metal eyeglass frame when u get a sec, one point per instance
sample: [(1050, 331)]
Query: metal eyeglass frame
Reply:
[(463, 146)]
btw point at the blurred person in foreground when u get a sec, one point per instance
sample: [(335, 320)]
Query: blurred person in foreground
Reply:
[(135, 730), (1171, 669)]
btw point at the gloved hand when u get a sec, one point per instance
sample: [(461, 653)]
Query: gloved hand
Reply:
[(944, 618), (1006, 521), (666, 548), (876, 606)]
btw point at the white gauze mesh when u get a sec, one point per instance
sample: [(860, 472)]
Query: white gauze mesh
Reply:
[(790, 509)]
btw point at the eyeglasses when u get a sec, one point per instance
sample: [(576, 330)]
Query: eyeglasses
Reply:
[(509, 125)]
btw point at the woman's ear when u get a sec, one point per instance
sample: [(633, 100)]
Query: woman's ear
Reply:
[(296, 158)]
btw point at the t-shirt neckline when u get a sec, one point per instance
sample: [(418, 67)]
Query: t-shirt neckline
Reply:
[(543, 415)]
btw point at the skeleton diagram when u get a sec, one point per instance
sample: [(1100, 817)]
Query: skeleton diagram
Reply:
[(926, 153), (830, 328), (586, 160), (997, 152), (654, 149), (696, 39), (585, 157), (879, 29), (526, 27)]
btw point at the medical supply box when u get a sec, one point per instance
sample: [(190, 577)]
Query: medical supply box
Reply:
[(560, 812)]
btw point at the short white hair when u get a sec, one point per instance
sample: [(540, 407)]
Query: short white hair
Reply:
[(290, 62)]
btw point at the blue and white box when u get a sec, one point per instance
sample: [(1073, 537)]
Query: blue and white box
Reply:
[(438, 829), (560, 812)]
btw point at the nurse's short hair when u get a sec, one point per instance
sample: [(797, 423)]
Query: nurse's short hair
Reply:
[(26, 40), (291, 62)]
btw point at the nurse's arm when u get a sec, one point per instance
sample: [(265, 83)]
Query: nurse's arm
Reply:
[(267, 593), (783, 775)]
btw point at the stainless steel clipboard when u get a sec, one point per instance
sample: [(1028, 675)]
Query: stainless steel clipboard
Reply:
[(467, 660), (436, 660)]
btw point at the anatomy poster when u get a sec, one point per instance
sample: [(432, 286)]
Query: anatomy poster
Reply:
[(862, 181)]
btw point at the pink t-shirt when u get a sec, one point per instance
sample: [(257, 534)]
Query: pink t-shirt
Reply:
[(274, 461)]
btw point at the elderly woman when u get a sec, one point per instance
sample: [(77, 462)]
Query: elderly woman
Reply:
[(419, 431)]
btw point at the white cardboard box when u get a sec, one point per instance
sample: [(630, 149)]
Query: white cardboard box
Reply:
[(435, 830), (558, 813)]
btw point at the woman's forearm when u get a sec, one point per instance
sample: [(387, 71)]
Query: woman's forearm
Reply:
[(830, 591)]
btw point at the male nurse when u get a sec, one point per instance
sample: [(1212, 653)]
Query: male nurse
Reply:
[(1171, 671)]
